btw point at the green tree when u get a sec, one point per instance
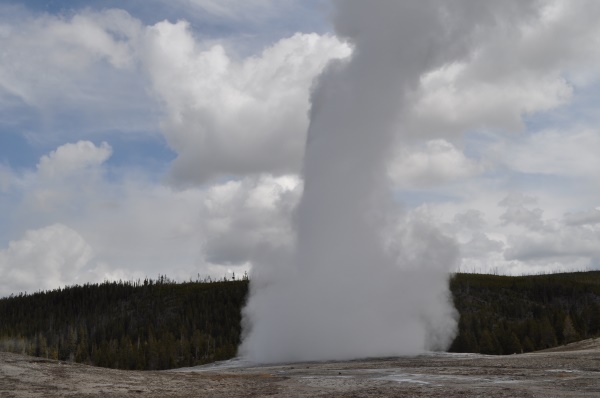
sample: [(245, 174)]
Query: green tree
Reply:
[(512, 345), (569, 333), (547, 334), (527, 345), (488, 344)]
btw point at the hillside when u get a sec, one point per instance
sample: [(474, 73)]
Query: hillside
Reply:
[(508, 314), (161, 324), (150, 325)]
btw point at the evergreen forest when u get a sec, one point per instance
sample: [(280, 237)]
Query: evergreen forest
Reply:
[(514, 314), (161, 324), (147, 325)]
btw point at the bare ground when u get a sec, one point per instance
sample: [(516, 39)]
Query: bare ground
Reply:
[(569, 371)]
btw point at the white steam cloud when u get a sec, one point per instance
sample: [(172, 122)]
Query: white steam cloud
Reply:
[(362, 281)]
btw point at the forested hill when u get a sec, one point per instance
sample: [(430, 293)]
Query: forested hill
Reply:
[(162, 324), (144, 325), (508, 314)]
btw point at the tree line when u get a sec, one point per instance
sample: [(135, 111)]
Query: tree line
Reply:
[(514, 314), (161, 324), (154, 324)]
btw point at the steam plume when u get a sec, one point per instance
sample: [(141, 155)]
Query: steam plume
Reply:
[(362, 282)]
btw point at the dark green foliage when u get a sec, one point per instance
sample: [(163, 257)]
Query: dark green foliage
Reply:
[(162, 324), (488, 343), (511, 343), (508, 314), (150, 325), (569, 334)]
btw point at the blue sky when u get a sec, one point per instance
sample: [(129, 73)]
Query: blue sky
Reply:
[(146, 137)]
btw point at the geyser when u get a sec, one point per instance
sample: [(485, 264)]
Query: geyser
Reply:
[(362, 281)]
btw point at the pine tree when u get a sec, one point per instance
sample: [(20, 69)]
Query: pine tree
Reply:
[(488, 344), (513, 345), (594, 321), (569, 332), (527, 345), (547, 334)]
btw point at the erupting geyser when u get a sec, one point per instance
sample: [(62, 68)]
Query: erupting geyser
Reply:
[(362, 282)]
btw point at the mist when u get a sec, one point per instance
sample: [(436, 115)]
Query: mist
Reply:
[(364, 279)]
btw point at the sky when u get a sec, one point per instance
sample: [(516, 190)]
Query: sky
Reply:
[(140, 138)]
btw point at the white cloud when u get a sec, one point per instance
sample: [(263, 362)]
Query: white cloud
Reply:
[(471, 220), (49, 54), (566, 36), (436, 162), (72, 75), (250, 220), (571, 153), (454, 100), (222, 115), (66, 180), (480, 244), (531, 65), (44, 258), (518, 213), (73, 158), (140, 228), (566, 243), (234, 117), (154, 229), (245, 117), (516, 235)]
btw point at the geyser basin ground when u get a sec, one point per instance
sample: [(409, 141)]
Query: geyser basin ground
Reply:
[(571, 371)]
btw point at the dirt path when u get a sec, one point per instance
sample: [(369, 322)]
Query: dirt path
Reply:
[(572, 371)]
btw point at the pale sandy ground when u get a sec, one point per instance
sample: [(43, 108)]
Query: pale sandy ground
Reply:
[(571, 371)]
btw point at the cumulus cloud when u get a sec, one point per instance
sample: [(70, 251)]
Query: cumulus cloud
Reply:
[(248, 221), (523, 239), (81, 68), (514, 69), (73, 158), (231, 225), (480, 244), (65, 49), (471, 220), (470, 228), (65, 180), (498, 101), (44, 258), (529, 243), (139, 228), (228, 116), (223, 115), (517, 211), (449, 105), (434, 163), (238, 119)]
